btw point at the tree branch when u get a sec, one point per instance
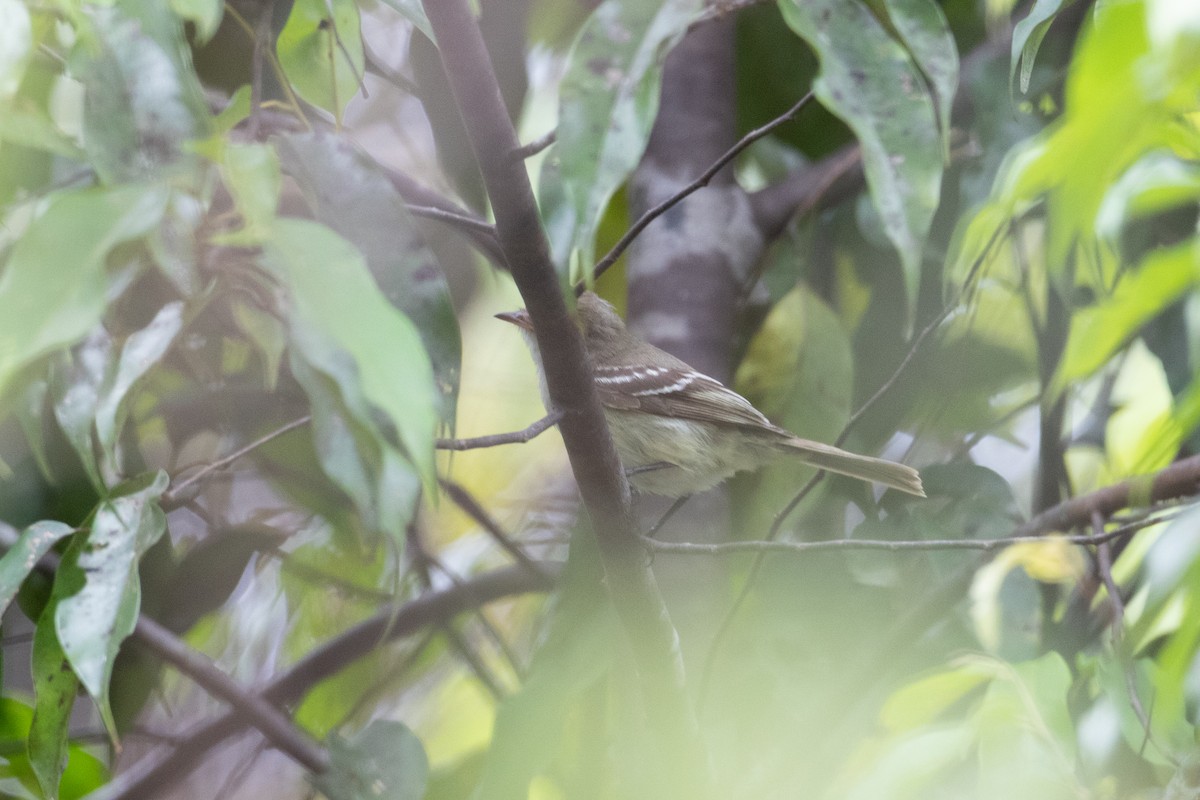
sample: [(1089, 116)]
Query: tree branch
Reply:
[(275, 725), (463, 499), (567, 367), (150, 777)]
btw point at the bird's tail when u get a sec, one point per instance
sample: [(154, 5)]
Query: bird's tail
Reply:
[(865, 468)]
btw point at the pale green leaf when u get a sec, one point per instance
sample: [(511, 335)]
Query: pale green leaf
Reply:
[(52, 291), (1099, 331), (322, 54), (34, 542), (251, 172), (16, 45), (869, 81), (206, 14), (347, 191), (342, 322), (141, 351)]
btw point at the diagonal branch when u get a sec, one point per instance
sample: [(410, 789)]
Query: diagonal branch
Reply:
[(151, 777)]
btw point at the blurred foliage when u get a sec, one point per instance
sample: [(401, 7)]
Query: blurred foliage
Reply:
[(183, 272)]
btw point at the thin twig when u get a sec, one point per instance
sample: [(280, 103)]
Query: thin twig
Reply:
[(670, 512), (536, 146), (467, 221), (515, 437), (652, 214), (172, 497), (472, 508), (985, 545)]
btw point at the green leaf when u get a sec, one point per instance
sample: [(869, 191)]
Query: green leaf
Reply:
[(141, 351), (870, 82), (322, 55), (16, 45), (413, 11), (1099, 331), (347, 192), (29, 126), (926, 34), (799, 371), (142, 101), (22, 557), (384, 761), (351, 449), (342, 323), (251, 172), (55, 687), (97, 589), (75, 381), (1027, 38), (1158, 182), (52, 291), (206, 14), (607, 104)]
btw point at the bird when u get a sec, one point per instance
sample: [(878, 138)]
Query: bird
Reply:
[(678, 431)]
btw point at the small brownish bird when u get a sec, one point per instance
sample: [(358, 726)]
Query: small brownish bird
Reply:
[(679, 431)]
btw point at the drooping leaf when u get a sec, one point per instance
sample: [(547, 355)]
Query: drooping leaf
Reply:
[(75, 380), (141, 351), (607, 104), (97, 591), (55, 686), (926, 34), (52, 291), (344, 326), (1028, 35), (347, 192), (384, 761), (869, 81), (22, 557), (321, 53)]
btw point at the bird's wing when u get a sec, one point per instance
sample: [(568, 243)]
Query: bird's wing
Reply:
[(675, 392)]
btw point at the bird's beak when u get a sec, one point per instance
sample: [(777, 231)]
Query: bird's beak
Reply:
[(520, 318)]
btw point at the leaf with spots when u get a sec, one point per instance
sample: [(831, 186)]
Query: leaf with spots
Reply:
[(96, 590), (54, 690), (870, 81), (607, 105)]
